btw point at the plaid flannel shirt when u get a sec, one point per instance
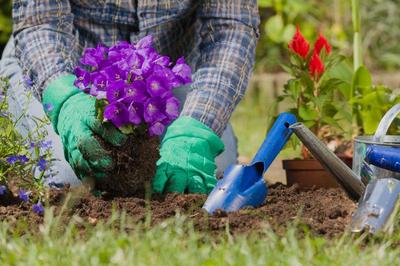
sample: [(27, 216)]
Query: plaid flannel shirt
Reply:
[(217, 38)]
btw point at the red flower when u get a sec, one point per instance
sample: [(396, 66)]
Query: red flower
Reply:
[(316, 66), (322, 43), (299, 44)]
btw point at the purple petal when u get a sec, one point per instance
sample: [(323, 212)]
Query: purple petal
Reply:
[(12, 159), (114, 73), (152, 111), (3, 190), (115, 91), (136, 92), (145, 42), (157, 85), (182, 71), (135, 111), (48, 107), (172, 108), (42, 164), (94, 56), (23, 195), (83, 79), (38, 208), (156, 129), (162, 61), (117, 113), (99, 83)]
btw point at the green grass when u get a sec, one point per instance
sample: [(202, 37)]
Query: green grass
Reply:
[(174, 242)]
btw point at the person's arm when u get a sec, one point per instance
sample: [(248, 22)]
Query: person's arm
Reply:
[(228, 39), (44, 40), (229, 34), (46, 47)]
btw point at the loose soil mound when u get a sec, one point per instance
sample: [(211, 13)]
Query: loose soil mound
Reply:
[(323, 211)]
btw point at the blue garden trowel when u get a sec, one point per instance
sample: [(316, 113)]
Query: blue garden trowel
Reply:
[(244, 185)]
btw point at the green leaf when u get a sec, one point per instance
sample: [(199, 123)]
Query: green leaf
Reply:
[(274, 28), (128, 129), (265, 3), (307, 113), (361, 80)]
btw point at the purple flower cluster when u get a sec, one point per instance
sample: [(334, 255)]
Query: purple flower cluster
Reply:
[(135, 81)]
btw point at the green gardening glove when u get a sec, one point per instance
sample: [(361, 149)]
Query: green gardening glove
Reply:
[(73, 116), (187, 162)]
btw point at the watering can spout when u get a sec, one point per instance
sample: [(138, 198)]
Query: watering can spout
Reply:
[(343, 174)]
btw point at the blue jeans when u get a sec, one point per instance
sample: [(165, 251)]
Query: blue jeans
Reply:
[(20, 104)]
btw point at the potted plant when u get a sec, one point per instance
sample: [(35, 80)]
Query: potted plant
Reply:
[(314, 95)]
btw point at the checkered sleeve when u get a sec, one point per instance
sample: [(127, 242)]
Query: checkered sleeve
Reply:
[(44, 39), (229, 32)]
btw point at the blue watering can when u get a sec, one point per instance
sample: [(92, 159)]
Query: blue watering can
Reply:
[(244, 185)]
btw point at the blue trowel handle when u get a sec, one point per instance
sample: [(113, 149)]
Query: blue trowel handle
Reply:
[(276, 138), (384, 157)]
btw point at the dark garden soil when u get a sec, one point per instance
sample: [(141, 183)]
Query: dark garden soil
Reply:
[(324, 212), (134, 165)]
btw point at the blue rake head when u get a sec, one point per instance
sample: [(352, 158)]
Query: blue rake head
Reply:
[(244, 185)]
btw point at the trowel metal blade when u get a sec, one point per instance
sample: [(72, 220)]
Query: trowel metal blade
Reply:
[(377, 206)]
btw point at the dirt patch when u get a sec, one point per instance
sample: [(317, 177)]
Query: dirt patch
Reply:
[(324, 212), (134, 166)]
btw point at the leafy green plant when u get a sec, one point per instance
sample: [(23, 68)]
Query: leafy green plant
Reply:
[(5, 21), (24, 161), (312, 91), (368, 102)]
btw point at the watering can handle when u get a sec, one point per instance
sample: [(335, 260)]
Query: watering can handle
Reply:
[(275, 140), (385, 123)]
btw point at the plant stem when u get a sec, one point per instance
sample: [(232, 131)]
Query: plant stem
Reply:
[(357, 44)]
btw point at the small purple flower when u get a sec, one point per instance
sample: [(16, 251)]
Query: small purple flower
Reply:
[(117, 113), (145, 42), (48, 107), (42, 163), (99, 83), (182, 71), (3, 190), (157, 85), (38, 208), (152, 111), (136, 92), (115, 91), (156, 129), (94, 56), (163, 61), (17, 158), (82, 80), (12, 159), (135, 112), (23, 195), (172, 108), (114, 73), (28, 82)]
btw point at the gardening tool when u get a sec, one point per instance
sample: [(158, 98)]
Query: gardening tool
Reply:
[(244, 185), (380, 139), (384, 157), (377, 207), (343, 174), (379, 204)]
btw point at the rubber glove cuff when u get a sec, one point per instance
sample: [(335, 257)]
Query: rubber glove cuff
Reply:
[(186, 126), (56, 94)]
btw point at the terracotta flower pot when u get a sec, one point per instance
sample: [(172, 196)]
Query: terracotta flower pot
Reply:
[(309, 173)]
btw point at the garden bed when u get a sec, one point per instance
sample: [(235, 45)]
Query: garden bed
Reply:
[(323, 211)]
